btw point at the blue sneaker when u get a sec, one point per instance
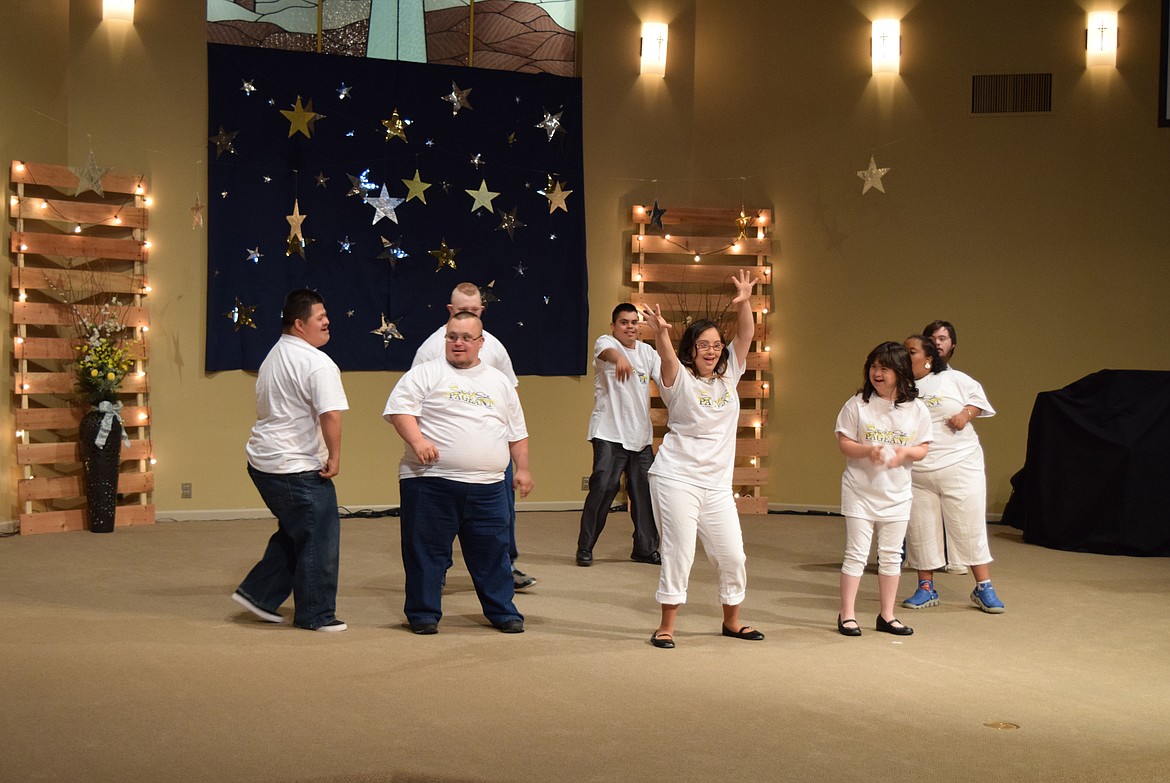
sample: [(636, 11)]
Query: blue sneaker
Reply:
[(923, 597), (986, 599)]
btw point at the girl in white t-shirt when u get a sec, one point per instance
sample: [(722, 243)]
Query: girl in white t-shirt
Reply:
[(881, 431), (690, 480)]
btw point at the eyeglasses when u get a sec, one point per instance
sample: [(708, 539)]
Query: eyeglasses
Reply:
[(463, 338), (703, 345)]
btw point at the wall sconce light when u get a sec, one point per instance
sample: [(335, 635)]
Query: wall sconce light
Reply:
[(122, 10), (1101, 39), (654, 49), (885, 45)]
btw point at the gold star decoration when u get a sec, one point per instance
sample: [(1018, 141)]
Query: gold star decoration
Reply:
[(742, 223), (197, 213), (300, 118), (556, 197), (89, 176), (508, 222), (295, 220), (481, 198), (241, 315), (223, 142), (393, 252), (416, 187), (458, 98), (384, 206), (445, 255), (388, 331), (295, 245), (872, 177), (551, 124), (395, 127)]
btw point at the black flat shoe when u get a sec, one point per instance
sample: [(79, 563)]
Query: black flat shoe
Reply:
[(663, 641), (584, 558), (854, 630), (653, 558), (887, 626), (747, 632), (424, 629)]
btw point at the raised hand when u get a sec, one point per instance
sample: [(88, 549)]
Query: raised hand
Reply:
[(744, 282), (655, 319)]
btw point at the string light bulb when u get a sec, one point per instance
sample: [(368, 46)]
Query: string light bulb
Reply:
[(697, 258), (148, 201), (44, 204), (146, 244), (23, 296), (76, 228), (138, 191), (117, 220), (146, 289), (13, 200), (153, 461), (19, 166)]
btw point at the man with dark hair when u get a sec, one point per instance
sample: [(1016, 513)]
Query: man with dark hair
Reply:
[(462, 424), (621, 433), (942, 333), (293, 454), (466, 298)]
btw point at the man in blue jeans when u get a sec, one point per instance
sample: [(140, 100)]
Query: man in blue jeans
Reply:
[(293, 454), (462, 424)]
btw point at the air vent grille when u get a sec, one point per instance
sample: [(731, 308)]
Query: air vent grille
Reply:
[(1012, 93)]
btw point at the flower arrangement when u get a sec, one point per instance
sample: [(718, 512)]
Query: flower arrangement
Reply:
[(102, 358)]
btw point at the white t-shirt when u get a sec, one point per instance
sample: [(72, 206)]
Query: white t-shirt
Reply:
[(295, 385), (944, 394), (870, 490), (621, 409), (470, 415), (492, 352), (703, 415)]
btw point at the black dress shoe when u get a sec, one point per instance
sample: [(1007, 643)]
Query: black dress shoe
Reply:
[(424, 629), (584, 558), (511, 626), (747, 632), (844, 630), (663, 641), (887, 626), (653, 558)]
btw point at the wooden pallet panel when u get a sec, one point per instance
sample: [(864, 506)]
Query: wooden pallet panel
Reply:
[(55, 314), (66, 383), (68, 452), (63, 178), (707, 274), (705, 246), (72, 486), (77, 246), (750, 505), (689, 303), (64, 348), (74, 519), (70, 417), (87, 213), (41, 279), (646, 333), (701, 216)]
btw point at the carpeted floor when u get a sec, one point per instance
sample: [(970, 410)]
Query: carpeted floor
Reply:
[(124, 660)]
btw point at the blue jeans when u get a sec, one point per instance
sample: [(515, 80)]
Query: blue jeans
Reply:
[(434, 512), (303, 553)]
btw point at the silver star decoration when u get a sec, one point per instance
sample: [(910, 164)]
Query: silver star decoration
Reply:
[(552, 237), (872, 177), (322, 179), (223, 194), (223, 142), (458, 98), (430, 142), (384, 206), (346, 244), (349, 134), (551, 124), (267, 179), (248, 87), (508, 222), (520, 269), (477, 160), (89, 176), (388, 331), (393, 252), (546, 299), (343, 92), (349, 313), (254, 254)]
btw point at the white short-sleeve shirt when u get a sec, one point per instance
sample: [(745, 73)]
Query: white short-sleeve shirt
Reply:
[(944, 394), (699, 447), (470, 415), (295, 385), (870, 490), (621, 409), (492, 352)]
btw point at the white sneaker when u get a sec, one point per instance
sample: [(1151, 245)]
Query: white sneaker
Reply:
[(263, 614), (956, 569)]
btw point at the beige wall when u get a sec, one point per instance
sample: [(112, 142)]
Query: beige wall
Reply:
[(1038, 236)]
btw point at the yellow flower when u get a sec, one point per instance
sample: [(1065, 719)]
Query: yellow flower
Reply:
[(93, 373), (110, 376)]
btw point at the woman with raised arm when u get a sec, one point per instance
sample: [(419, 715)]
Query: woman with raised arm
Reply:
[(690, 480)]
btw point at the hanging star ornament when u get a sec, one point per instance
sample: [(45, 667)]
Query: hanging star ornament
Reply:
[(520, 269), (395, 127), (872, 177), (482, 198), (295, 245), (300, 118), (248, 88), (509, 223), (388, 331), (488, 294), (241, 315), (458, 98), (295, 220), (556, 197), (656, 216), (551, 124), (223, 142), (343, 91), (393, 252), (742, 223), (254, 254), (384, 206), (416, 187), (322, 179), (445, 255), (89, 176), (197, 213), (346, 244)]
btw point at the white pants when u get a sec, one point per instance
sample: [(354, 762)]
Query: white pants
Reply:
[(953, 499), (859, 533), (683, 511)]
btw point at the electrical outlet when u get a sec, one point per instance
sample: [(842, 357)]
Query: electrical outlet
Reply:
[(585, 483), (185, 491)]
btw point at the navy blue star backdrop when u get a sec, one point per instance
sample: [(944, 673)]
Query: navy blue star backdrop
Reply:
[(527, 252)]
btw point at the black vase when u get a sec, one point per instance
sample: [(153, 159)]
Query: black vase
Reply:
[(101, 466)]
